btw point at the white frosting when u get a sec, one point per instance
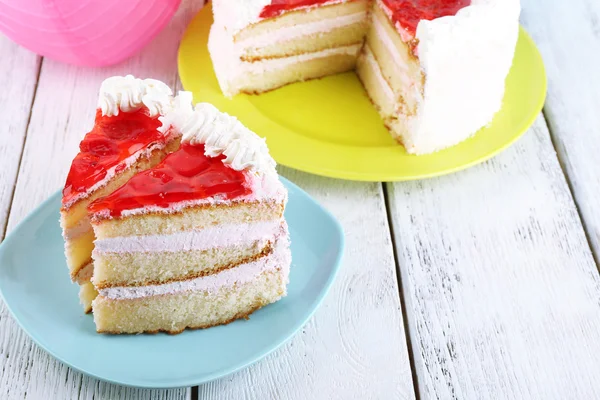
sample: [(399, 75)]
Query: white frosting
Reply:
[(236, 15), (219, 236), (466, 59), (291, 32), (220, 133), (232, 71), (280, 259), (126, 93)]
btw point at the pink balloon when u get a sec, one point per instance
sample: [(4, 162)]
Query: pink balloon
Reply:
[(85, 32)]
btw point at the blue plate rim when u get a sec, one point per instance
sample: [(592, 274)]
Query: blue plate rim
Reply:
[(336, 265)]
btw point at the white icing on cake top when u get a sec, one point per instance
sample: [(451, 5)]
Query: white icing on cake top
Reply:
[(220, 133), (466, 59), (126, 93), (493, 15)]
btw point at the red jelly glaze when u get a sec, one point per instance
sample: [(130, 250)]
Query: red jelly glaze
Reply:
[(184, 175), (111, 141), (278, 7), (408, 13)]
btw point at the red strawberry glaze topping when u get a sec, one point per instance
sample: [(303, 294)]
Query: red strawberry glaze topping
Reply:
[(112, 140), (278, 7), (184, 175), (406, 14)]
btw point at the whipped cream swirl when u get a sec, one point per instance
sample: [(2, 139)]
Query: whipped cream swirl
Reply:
[(220, 133), (126, 93)]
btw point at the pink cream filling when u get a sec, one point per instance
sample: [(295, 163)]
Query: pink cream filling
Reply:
[(225, 235), (280, 259)]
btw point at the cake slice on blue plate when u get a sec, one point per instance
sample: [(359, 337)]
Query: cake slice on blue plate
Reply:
[(200, 239)]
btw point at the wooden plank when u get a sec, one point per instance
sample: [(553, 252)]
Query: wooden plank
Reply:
[(354, 347), (62, 113), (568, 36), (18, 76), (501, 287)]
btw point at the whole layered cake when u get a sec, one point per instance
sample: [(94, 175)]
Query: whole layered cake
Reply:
[(196, 240), (434, 69)]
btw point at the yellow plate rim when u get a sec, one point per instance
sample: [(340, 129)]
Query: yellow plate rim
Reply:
[(294, 150)]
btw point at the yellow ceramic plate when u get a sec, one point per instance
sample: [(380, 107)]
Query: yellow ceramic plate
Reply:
[(329, 127)]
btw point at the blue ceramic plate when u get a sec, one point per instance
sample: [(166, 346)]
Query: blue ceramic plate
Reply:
[(35, 285)]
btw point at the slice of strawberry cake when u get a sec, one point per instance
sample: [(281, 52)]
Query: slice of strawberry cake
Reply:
[(434, 69), (197, 241), (125, 139)]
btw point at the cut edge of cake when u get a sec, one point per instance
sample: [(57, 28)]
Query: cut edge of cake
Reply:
[(118, 95), (311, 42), (467, 55), (248, 229), (199, 303)]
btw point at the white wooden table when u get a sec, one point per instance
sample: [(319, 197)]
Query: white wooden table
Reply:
[(479, 285)]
